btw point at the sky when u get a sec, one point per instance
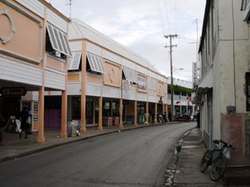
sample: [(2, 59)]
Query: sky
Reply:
[(141, 25)]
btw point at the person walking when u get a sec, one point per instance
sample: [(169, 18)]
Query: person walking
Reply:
[(24, 125)]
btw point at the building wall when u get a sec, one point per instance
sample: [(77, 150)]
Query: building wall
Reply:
[(108, 84), (229, 61)]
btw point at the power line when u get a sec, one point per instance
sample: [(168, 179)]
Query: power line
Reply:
[(158, 6), (167, 15), (175, 15)]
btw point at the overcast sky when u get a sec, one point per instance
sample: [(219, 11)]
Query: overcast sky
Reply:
[(141, 26)]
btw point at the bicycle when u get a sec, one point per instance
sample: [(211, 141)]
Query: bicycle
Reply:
[(217, 158)]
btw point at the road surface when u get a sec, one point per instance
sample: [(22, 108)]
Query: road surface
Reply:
[(130, 158)]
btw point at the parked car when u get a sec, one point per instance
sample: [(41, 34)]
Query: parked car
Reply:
[(182, 117)]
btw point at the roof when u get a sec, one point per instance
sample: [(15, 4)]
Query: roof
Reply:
[(205, 22), (50, 6), (80, 30)]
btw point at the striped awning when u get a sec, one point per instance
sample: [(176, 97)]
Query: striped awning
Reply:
[(95, 63), (130, 74), (74, 62), (58, 40)]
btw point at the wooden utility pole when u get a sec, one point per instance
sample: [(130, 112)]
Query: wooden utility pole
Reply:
[(171, 36)]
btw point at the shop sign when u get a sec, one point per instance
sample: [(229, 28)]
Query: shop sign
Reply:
[(142, 83), (13, 91)]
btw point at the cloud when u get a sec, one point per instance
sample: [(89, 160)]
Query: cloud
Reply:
[(141, 25)]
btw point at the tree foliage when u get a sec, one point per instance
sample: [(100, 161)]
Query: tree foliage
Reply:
[(180, 89)]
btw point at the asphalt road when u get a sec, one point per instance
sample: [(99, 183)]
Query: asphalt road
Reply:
[(130, 158)]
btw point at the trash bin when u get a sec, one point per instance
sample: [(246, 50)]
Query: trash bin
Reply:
[(110, 121), (117, 121)]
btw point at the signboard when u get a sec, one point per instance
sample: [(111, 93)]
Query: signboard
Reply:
[(13, 91), (142, 83)]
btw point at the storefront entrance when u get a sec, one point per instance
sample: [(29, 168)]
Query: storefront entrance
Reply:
[(52, 112)]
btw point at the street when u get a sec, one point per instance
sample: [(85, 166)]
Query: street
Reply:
[(131, 158)]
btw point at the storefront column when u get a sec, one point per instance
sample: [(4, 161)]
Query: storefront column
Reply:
[(64, 115), (100, 127), (155, 121), (120, 111), (135, 114), (146, 122), (83, 83), (40, 136)]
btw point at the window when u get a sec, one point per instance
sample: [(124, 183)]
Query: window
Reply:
[(247, 90), (56, 42), (76, 107), (95, 63)]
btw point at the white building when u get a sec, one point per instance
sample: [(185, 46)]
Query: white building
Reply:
[(182, 100), (224, 85)]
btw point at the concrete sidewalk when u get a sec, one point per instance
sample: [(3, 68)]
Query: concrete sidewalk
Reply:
[(184, 167)]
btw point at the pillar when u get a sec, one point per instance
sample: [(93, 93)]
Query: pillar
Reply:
[(100, 127), (64, 115), (155, 121), (40, 135), (135, 113), (83, 83), (120, 111)]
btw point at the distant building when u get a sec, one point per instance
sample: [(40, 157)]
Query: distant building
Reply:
[(183, 97)]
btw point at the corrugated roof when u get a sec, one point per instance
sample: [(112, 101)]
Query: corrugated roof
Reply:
[(80, 30)]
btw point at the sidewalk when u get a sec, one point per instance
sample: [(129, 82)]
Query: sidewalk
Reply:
[(184, 169)]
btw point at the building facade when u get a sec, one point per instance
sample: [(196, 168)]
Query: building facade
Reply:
[(64, 70), (109, 84), (223, 88), (33, 59), (183, 97)]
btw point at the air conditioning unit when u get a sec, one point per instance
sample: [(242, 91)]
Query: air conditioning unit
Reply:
[(58, 54)]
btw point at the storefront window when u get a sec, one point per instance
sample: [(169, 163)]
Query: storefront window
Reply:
[(76, 108), (106, 108)]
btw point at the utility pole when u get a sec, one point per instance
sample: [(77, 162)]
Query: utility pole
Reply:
[(171, 36)]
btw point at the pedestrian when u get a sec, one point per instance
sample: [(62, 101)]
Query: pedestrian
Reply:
[(198, 119), (29, 121), (24, 125), (2, 125)]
